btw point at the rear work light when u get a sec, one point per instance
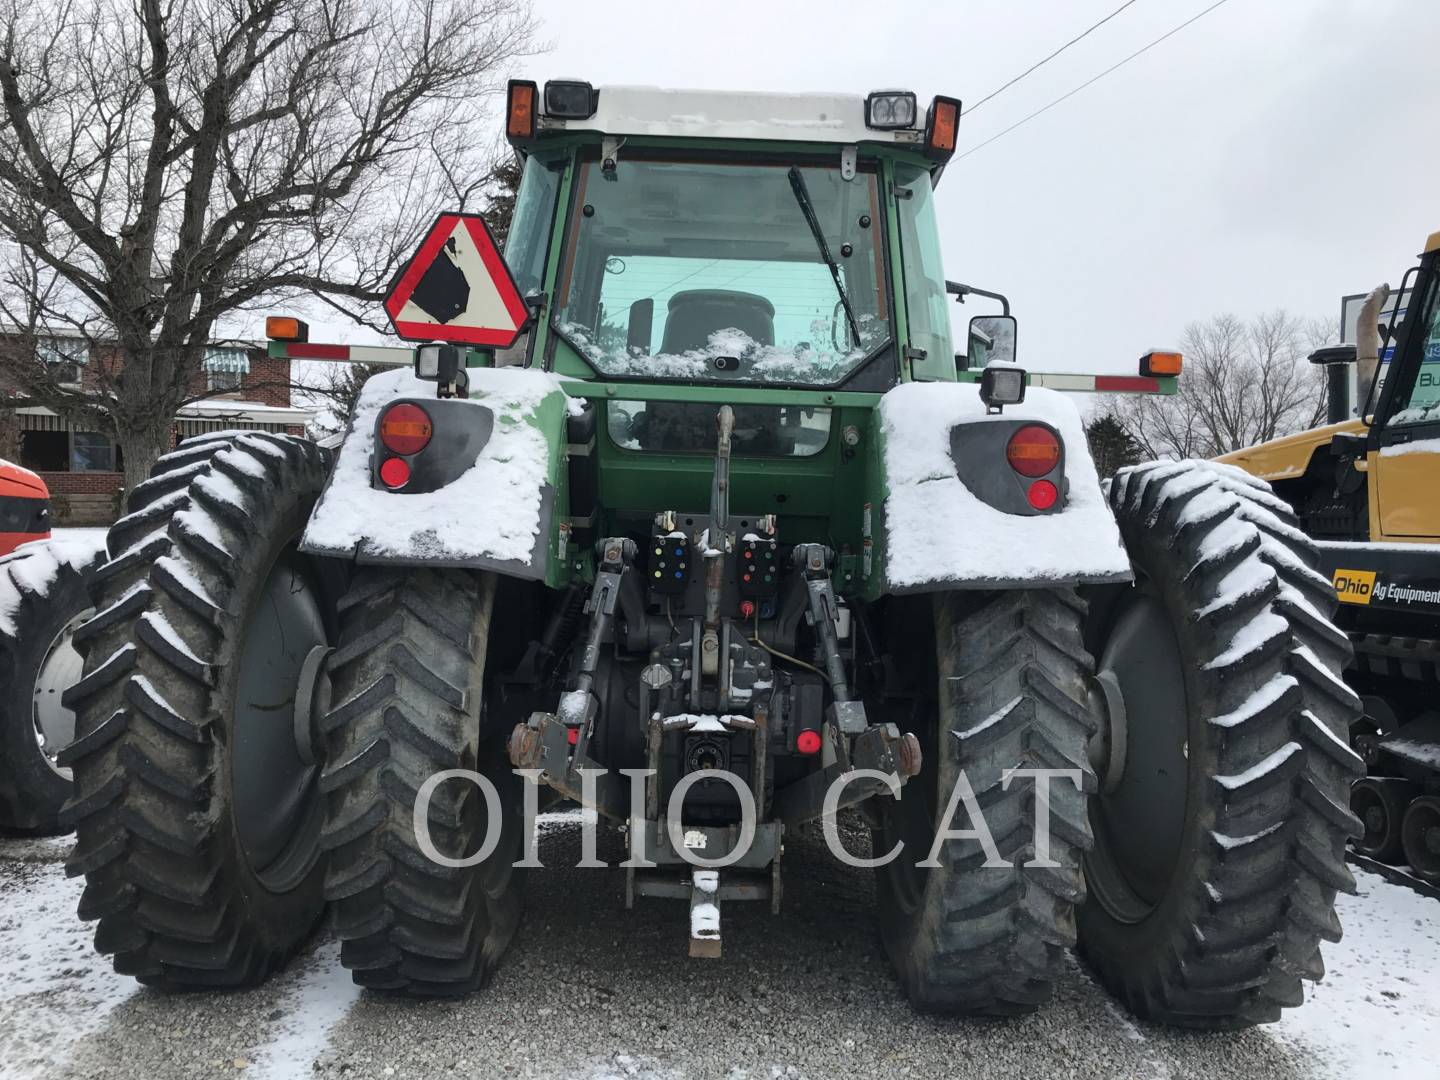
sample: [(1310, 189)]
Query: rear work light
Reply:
[(1033, 451), (520, 109), (940, 126), (570, 99), (890, 109), (406, 429)]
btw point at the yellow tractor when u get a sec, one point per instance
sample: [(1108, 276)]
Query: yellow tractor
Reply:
[(1367, 489)]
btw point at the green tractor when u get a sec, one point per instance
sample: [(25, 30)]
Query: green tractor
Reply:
[(689, 511)]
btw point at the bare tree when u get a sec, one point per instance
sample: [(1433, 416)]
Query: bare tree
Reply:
[(167, 165), (1243, 383)]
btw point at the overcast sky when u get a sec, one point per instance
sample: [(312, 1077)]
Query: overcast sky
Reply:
[(1277, 153)]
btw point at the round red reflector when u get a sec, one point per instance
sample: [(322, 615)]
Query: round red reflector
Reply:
[(394, 472), (405, 429), (808, 742), (1043, 494), (1033, 450)]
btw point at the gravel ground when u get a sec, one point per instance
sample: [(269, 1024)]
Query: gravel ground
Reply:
[(592, 991)]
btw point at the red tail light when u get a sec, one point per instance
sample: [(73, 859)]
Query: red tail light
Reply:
[(405, 429), (1043, 494), (808, 741), (395, 472), (1033, 450)]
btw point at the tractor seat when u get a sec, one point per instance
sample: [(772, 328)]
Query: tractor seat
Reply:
[(697, 313)]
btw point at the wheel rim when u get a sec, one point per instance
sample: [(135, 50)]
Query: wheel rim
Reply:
[(277, 808), (1139, 823), (1420, 836), (1374, 814), (60, 669)]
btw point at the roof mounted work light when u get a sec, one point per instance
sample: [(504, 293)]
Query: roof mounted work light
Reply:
[(570, 99), (890, 109), (941, 123)]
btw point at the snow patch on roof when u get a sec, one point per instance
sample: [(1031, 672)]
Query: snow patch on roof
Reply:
[(937, 530), (652, 110)]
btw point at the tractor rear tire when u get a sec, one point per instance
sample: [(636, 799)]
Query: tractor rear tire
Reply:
[(408, 691), (1220, 847), (197, 816), (43, 595), (965, 938)]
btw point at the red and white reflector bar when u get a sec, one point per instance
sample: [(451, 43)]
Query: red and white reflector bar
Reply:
[(353, 354), (1097, 384)]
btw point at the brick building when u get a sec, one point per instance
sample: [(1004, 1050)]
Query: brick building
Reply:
[(83, 469)]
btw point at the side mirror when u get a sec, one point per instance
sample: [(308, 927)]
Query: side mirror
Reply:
[(637, 334), (992, 337)]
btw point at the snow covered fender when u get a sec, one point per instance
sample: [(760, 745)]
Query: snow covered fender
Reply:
[(948, 512), (493, 497)]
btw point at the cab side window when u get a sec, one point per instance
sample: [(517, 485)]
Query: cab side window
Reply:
[(1422, 404)]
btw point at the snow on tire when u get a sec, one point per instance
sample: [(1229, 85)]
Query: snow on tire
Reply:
[(42, 598), (1209, 898), (180, 658)]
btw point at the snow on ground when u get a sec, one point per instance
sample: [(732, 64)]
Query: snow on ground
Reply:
[(55, 989), (1377, 1011), (322, 996)]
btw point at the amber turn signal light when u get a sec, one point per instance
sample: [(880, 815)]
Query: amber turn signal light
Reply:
[(286, 328), (520, 110), (940, 125), (1160, 363)]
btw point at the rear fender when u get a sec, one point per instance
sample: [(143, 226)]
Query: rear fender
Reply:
[(487, 492), (946, 510)]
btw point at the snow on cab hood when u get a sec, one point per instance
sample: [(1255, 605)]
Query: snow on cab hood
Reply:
[(491, 512), (936, 530)]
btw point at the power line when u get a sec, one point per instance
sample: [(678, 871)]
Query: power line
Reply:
[(1091, 82), (1042, 63)]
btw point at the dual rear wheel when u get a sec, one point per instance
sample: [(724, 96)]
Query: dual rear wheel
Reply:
[(1202, 707), (251, 728)]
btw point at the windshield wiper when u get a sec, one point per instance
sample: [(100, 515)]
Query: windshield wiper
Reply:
[(802, 196)]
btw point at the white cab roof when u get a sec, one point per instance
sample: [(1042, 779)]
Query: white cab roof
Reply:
[(713, 114)]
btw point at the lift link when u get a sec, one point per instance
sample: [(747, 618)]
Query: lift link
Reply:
[(544, 742), (814, 561), (850, 741), (579, 706)]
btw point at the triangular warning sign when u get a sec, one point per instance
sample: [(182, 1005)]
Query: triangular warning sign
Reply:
[(457, 288)]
